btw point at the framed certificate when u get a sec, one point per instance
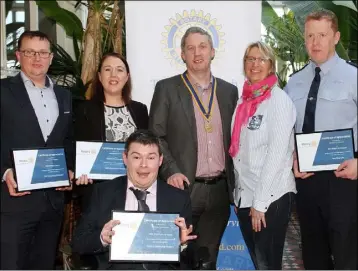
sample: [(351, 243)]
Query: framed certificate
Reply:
[(40, 168), (324, 151), (145, 237), (99, 160)]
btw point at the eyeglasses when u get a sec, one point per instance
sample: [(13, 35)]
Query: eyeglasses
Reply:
[(261, 60), (29, 53)]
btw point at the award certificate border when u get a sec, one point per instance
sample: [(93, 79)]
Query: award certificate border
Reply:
[(34, 149), (93, 141), (320, 132), (145, 261)]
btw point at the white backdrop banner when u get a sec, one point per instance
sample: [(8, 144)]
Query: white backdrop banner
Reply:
[(154, 30), (153, 33)]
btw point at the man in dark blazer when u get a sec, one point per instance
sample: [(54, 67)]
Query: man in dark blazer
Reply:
[(191, 113), (35, 113), (143, 158)]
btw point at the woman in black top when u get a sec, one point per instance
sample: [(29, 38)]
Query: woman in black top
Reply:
[(110, 114)]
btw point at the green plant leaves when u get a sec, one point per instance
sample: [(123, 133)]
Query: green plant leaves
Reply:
[(68, 20)]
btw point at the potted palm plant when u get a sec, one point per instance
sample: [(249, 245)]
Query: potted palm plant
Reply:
[(104, 32)]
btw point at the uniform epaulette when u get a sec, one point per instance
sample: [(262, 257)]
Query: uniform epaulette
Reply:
[(299, 69), (352, 63)]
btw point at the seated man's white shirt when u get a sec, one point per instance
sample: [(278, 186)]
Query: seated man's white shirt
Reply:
[(132, 202)]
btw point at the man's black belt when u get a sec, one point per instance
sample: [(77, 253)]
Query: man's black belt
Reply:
[(210, 180)]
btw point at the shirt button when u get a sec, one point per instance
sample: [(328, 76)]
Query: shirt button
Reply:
[(44, 105), (271, 195), (47, 120), (209, 141), (210, 159)]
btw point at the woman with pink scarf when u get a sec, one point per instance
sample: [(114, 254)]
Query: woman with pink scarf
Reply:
[(262, 146)]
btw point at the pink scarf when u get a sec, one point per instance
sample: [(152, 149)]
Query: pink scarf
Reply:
[(252, 96)]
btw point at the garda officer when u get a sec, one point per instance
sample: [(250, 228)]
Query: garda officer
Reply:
[(325, 95)]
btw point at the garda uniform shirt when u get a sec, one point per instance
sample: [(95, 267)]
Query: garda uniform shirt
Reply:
[(336, 106)]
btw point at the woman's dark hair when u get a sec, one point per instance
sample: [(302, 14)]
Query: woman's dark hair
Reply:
[(97, 92)]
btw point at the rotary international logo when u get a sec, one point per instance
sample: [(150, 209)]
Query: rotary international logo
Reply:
[(178, 26)]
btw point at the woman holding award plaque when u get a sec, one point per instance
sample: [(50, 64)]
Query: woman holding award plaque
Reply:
[(110, 115), (262, 146)]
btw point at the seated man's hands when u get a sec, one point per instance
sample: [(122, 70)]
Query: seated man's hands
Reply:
[(107, 232), (184, 231)]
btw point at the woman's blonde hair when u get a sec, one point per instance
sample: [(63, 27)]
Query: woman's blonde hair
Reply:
[(266, 52)]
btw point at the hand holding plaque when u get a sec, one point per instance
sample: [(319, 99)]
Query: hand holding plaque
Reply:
[(185, 232), (297, 173), (107, 232), (348, 169), (12, 185)]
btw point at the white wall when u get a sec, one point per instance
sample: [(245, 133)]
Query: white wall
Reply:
[(153, 41)]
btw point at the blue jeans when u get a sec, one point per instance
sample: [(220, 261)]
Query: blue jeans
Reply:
[(266, 246)]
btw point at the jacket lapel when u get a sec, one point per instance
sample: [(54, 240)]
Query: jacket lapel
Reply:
[(187, 103), (161, 197), (98, 113), (60, 105), (225, 120), (120, 195), (132, 113), (18, 89)]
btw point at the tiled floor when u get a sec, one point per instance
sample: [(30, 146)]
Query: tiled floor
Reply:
[(292, 259)]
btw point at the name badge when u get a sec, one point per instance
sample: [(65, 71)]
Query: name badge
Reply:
[(255, 122)]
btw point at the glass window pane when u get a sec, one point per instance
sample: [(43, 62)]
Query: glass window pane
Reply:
[(9, 18), (19, 32), (19, 1), (19, 13), (20, 16)]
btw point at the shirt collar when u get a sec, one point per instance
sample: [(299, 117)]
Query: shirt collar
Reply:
[(326, 66), (200, 87), (48, 81), (152, 189)]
